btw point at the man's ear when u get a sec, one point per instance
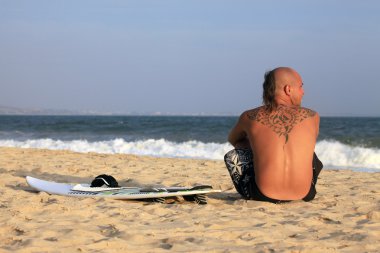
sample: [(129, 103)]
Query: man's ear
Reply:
[(287, 89)]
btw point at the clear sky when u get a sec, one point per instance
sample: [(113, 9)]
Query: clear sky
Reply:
[(177, 56)]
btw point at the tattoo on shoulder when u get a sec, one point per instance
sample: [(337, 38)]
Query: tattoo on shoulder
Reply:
[(252, 114), (282, 119)]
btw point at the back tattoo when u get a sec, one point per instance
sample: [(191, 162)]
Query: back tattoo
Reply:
[(282, 119)]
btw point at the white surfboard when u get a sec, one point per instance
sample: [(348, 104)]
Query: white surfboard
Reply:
[(84, 190)]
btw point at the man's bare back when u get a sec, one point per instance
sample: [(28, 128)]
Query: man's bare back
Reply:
[(282, 140), (282, 143)]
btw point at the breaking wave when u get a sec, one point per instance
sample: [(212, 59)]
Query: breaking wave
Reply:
[(333, 154)]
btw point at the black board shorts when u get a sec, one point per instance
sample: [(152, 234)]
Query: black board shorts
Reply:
[(239, 163)]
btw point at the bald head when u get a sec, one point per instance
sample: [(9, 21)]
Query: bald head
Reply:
[(285, 76), (281, 86)]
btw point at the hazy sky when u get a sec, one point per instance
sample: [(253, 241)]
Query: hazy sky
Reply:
[(187, 56)]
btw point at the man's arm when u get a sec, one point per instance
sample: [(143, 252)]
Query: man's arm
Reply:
[(238, 137)]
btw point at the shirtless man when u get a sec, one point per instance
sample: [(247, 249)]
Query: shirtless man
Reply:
[(274, 157)]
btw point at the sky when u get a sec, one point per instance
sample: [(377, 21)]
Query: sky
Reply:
[(187, 57)]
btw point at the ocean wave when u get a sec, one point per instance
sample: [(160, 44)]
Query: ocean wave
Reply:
[(333, 154), (150, 147)]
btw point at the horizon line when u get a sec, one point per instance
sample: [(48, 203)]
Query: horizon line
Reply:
[(16, 111)]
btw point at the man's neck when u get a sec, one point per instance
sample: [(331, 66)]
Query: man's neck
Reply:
[(287, 105)]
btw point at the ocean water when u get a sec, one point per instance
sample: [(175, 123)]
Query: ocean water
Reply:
[(343, 143)]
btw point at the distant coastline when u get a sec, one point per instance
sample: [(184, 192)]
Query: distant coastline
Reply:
[(8, 110)]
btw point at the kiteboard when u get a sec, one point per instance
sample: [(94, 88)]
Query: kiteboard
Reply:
[(196, 193)]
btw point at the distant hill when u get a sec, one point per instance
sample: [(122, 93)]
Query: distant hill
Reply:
[(6, 110)]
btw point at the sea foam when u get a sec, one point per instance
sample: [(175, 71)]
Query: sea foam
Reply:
[(337, 155), (333, 154), (150, 147)]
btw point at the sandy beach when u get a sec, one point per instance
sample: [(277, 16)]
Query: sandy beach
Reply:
[(344, 217)]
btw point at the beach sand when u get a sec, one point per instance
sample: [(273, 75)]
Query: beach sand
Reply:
[(344, 217)]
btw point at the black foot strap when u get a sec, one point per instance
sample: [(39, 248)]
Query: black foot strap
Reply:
[(104, 179)]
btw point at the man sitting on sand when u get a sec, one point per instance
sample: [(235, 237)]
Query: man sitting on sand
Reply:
[(274, 157)]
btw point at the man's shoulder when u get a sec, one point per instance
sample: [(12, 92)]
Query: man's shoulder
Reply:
[(253, 114), (307, 112)]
